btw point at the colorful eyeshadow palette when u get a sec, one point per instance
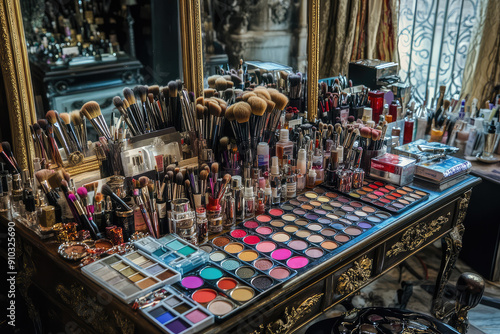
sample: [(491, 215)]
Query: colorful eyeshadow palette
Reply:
[(251, 263), (176, 314), (389, 196), (221, 292), (174, 252), (130, 276)]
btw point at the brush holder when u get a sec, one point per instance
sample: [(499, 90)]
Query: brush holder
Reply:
[(366, 159)]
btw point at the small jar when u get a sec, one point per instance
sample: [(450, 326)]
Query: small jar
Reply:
[(125, 220), (202, 225), (214, 216)]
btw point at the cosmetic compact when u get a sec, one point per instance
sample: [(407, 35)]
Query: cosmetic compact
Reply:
[(393, 168), (177, 314), (173, 251), (131, 275), (184, 220), (73, 250)]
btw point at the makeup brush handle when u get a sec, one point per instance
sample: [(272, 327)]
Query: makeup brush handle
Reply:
[(61, 138), (119, 201)]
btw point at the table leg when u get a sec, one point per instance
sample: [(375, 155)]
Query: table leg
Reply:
[(451, 246)]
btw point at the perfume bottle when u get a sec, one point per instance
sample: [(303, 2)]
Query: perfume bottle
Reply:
[(284, 147), (238, 197), (291, 183), (249, 199), (275, 180), (228, 212), (311, 179)]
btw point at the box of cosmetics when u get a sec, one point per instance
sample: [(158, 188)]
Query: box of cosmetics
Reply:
[(393, 168), (411, 150), (178, 314), (173, 251), (443, 169), (130, 275)]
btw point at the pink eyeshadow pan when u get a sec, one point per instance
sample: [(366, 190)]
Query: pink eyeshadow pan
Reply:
[(251, 224), (281, 254), (196, 316), (266, 246), (264, 230), (297, 262)]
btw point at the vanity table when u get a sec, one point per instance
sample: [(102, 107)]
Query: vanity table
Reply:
[(58, 294)]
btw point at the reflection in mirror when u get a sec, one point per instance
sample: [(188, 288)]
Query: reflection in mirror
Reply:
[(263, 30), (83, 50)]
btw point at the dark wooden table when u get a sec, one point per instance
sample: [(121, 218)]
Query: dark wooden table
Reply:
[(60, 296)]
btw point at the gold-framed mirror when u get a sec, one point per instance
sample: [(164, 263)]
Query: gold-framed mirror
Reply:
[(23, 81)]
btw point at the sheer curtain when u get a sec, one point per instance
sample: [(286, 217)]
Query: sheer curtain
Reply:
[(433, 40)]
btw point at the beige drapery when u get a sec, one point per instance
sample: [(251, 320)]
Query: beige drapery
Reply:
[(356, 29), (482, 67)]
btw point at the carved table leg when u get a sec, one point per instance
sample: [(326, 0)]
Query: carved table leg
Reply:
[(451, 246), (470, 288)]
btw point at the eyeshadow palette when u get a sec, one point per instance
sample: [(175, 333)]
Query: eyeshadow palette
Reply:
[(389, 196), (217, 289), (176, 314), (173, 251), (250, 265), (130, 275)]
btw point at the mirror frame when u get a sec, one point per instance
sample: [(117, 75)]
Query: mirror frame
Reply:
[(17, 76)]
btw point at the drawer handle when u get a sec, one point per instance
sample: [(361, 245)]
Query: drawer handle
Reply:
[(286, 325), (416, 235), (355, 276)]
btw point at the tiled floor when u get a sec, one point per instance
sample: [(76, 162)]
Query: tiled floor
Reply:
[(383, 292)]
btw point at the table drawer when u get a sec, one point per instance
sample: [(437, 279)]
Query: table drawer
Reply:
[(416, 236)]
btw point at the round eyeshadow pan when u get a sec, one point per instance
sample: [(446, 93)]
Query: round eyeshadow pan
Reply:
[(421, 193), (329, 245), (338, 226), (281, 254), (238, 233), (207, 248), (302, 233), (192, 282), (374, 219), (301, 222), (314, 252), (245, 272), (263, 218), (311, 194), (217, 256), (279, 273), (264, 230), (297, 262), (327, 207), (287, 207), (354, 195), (248, 255), (291, 228), (262, 282), (299, 211), (324, 221), (383, 215), (281, 237), (314, 227), (331, 195), (360, 213), (294, 202), (251, 224), (234, 248), (315, 238), (221, 241), (251, 240), (315, 203), (341, 238), (307, 206), (204, 296), (352, 218), (332, 216), (220, 307), (289, 217), (356, 204), (320, 212), (266, 246), (323, 199), (352, 230), (302, 199), (276, 212), (278, 223), (210, 273), (242, 294), (311, 216), (336, 204), (227, 283), (368, 209), (263, 264), (328, 232), (230, 264), (347, 208), (297, 245), (365, 225)]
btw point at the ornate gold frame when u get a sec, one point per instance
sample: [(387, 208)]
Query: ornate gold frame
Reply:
[(17, 80), (192, 53)]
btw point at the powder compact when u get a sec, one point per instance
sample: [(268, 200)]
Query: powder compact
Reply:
[(73, 250)]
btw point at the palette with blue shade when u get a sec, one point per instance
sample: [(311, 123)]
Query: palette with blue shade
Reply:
[(174, 252), (177, 314)]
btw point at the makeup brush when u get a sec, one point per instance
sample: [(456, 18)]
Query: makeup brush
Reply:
[(242, 113), (8, 151), (130, 97), (82, 194), (92, 111), (212, 79), (172, 102), (258, 106), (142, 91), (225, 181), (179, 178), (80, 128), (9, 162), (87, 224), (106, 190), (51, 116), (71, 130), (56, 156), (56, 180), (117, 101), (41, 143), (140, 203)]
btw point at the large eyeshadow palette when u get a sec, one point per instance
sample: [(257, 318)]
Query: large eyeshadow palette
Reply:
[(177, 314), (249, 264), (173, 251), (221, 292), (316, 222), (389, 196), (131, 275)]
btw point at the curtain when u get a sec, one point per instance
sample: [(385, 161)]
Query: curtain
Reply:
[(482, 68), (356, 29), (434, 36)]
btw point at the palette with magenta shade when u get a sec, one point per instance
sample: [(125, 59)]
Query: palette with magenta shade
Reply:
[(173, 251), (210, 283), (177, 314), (389, 196), (251, 263), (131, 275)]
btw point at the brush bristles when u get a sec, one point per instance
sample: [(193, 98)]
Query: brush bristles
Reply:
[(143, 181), (212, 79), (242, 112), (258, 105), (214, 109), (51, 116), (230, 113), (220, 84), (209, 92), (142, 92), (172, 88), (55, 180), (155, 90), (91, 109), (65, 118), (129, 95), (263, 93)]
